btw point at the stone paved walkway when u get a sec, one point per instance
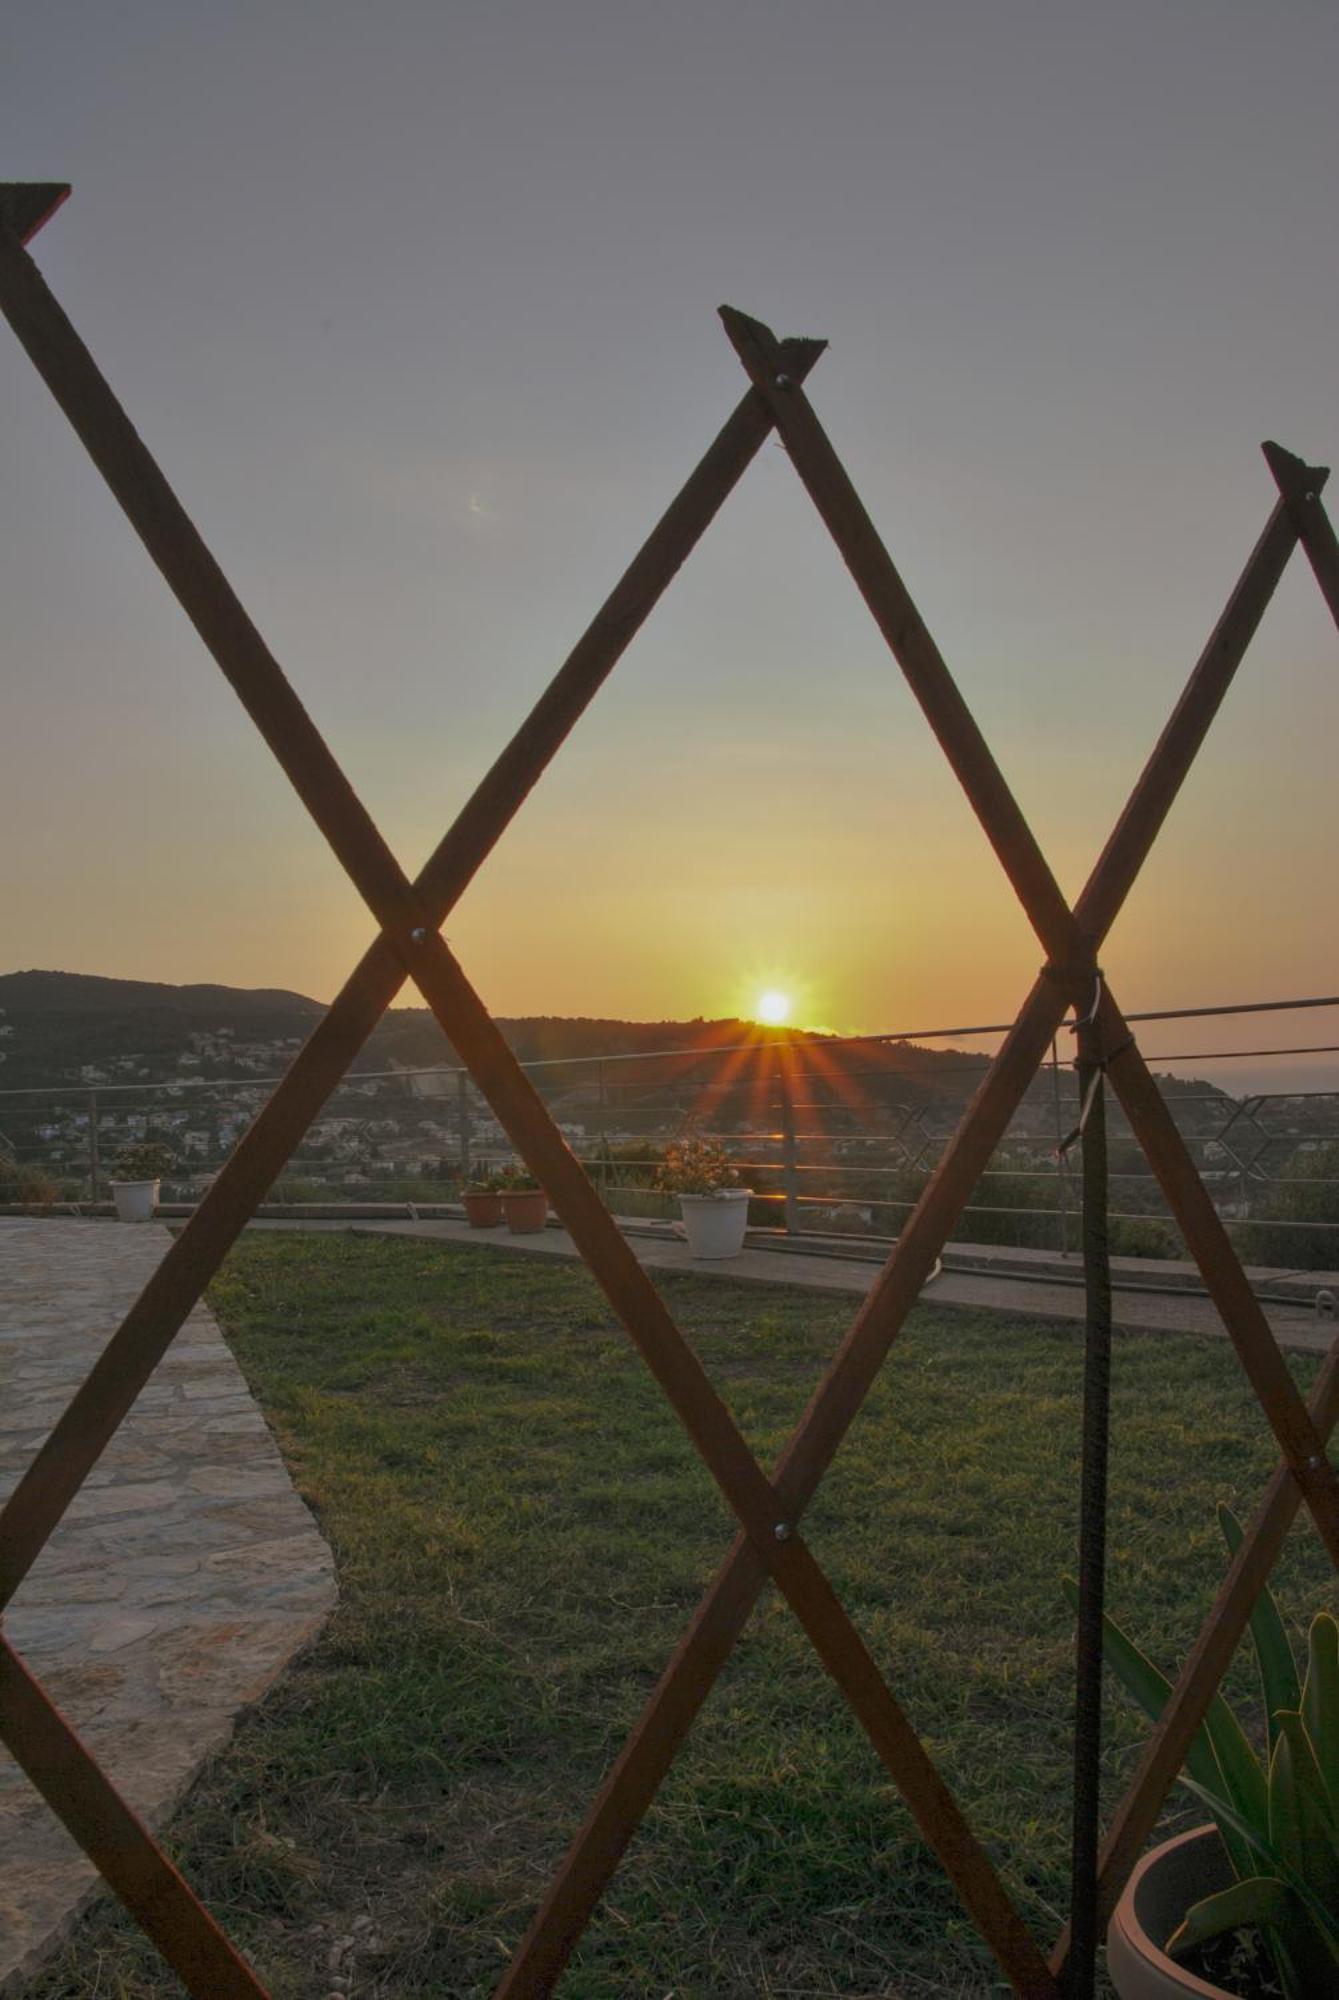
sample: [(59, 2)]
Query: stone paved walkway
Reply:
[(182, 1579)]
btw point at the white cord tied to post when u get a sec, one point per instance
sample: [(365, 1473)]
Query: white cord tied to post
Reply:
[(1094, 1081)]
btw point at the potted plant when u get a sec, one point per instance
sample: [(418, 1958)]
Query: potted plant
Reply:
[(136, 1176), (524, 1202), (715, 1212), (482, 1199), (1259, 1888)]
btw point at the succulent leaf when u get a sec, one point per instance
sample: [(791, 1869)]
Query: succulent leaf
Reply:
[(1219, 1757), (1280, 1825), (1260, 1899), (1301, 1828), (1279, 1685), (1320, 1702), (1150, 1687), (1271, 1862)]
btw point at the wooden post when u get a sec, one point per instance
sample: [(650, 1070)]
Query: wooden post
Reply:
[(789, 1154), (94, 1161), (463, 1113), (1061, 1164)]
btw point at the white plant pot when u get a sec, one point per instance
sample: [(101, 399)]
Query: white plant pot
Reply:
[(135, 1200), (715, 1223)]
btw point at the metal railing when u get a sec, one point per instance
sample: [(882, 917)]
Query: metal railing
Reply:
[(836, 1135)]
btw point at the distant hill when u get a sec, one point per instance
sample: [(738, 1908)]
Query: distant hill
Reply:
[(63, 1027), (57, 1026), (54, 1024)]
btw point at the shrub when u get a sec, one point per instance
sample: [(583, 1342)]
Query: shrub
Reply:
[(696, 1166), (1306, 1191), (148, 1161), (31, 1185)]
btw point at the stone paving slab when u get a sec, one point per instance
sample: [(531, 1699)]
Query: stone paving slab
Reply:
[(184, 1576)]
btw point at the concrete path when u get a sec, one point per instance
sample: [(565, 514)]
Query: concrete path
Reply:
[(182, 1579), (1147, 1297)]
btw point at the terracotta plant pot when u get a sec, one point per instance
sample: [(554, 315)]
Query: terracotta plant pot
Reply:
[(483, 1210), (1157, 1896), (135, 1200), (715, 1223), (526, 1210)]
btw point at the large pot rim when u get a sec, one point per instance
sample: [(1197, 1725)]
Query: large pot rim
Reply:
[(1132, 1953)]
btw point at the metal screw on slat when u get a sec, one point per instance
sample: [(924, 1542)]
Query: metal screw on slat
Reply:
[(420, 936), (783, 381), (782, 1531)]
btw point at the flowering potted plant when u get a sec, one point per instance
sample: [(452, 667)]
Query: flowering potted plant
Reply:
[(715, 1212), (482, 1200), (524, 1202), (136, 1176), (1259, 1888)]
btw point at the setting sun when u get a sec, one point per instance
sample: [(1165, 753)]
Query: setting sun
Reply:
[(773, 1008)]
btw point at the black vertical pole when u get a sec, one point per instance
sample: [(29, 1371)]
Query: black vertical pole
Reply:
[(1081, 1970)]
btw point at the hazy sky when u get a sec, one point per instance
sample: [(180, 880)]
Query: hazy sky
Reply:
[(416, 306)]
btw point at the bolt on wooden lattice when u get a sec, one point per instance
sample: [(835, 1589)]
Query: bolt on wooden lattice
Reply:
[(769, 1507)]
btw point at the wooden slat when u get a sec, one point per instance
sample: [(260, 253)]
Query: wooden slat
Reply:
[(90, 1808), (1242, 1315), (674, 1704), (876, 577), (704, 1416), (27, 206), (74, 1446), (1071, 938), (1301, 486), (1177, 748), (1208, 1661)]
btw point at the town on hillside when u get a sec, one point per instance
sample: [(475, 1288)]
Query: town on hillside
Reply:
[(830, 1133)]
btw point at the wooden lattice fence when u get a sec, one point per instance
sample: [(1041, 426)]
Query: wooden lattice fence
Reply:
[(769, 1505)]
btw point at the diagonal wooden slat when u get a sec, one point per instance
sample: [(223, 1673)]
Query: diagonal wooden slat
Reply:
[(1300, 487), (1226, 1282), (116, 1840), (27, 206), (725, 1610), (669, 1713), (1209, 1659), (770, 1530), (1069, 937), (841, 508), (82, 1433)]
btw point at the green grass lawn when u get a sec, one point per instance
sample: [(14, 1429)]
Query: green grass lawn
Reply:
[(522, 1531)]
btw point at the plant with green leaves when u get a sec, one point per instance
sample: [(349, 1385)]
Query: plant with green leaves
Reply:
[(1278, 1817), (148, 1161), (694, 1165)]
